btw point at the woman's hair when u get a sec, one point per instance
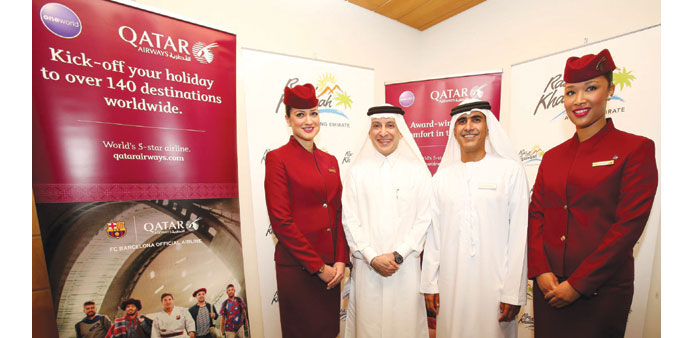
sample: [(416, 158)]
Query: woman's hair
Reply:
[(288, 111), (609, 77)]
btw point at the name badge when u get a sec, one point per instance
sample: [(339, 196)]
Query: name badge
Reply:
[(332, 170), (602, 163), (487, 186)]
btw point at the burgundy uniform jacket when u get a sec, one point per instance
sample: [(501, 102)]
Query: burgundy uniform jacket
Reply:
[(589, 206), (303, 193)]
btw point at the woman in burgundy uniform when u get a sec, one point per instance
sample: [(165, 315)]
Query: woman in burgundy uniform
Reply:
[(590, 204), (303, 193)]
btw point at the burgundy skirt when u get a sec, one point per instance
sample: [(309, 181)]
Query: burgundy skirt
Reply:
[(306, 308), (603, 315)]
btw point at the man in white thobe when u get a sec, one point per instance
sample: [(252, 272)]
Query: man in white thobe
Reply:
[(386, 214), (173, 321), (474, 263)]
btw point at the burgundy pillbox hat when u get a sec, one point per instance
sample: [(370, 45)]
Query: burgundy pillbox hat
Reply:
[(194, 294), (301, 97), (589, 66)]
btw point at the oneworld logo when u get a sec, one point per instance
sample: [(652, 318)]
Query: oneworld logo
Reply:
[(457, 94), (166, 46), (60, 20)]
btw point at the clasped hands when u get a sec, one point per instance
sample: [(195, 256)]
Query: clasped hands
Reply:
[(332, 275), (385, 264), (557, 294)]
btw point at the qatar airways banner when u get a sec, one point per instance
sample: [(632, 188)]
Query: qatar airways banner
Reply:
[(344, 92), (134, 160), (128, 104), (428, 103), (538, 123)]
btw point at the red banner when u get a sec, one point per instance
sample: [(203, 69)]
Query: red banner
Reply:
[(130, 105), (428, 103)]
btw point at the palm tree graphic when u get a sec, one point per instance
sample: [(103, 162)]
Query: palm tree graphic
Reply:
[(343, 99), (623, 78)]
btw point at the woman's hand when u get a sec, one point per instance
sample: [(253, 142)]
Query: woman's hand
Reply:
[(339, 268), (328, 273), (561, 296), (547, 282)]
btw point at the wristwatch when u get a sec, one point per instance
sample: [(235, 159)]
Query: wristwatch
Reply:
[(398, 258), (321, 270)]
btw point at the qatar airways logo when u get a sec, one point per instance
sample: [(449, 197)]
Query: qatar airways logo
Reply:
[(172, 226), (167, 46), (457, 94)]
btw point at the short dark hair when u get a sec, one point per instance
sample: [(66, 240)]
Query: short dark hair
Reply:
[(609, 77), (288, 111), (229, 285), (166, 294), (89, 302)]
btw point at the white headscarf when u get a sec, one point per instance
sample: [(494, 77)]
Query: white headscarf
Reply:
[(407, 145), (496, 142)]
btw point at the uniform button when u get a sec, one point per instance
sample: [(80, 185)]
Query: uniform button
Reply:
[(324, 205), (562, 239), (329, 230), (564, 206)]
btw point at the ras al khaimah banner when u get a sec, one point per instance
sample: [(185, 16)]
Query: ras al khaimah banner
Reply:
[(427, 104), (344, 92), (134, 158), (538, 122)]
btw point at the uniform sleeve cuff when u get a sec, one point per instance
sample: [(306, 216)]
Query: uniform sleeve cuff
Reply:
[(314, 269), (583, 290)]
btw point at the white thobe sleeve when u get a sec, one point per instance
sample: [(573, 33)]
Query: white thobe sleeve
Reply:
[(415, 236), (356, 234), (189, 321), (514, 284), (156, 327), (431, 255)]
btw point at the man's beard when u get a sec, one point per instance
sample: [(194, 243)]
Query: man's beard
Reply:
[(91, 313)]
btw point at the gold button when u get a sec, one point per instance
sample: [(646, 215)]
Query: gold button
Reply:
[(565, 207), (324, 205), (562, 238), (329, 230)]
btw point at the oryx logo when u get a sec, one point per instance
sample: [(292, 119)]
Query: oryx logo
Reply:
[(203, 52)]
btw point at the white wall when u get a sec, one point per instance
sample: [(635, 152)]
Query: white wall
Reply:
[(492, 35)]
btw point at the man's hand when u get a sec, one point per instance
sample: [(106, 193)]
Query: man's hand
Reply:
[(546, 282), (509, 312), (432, 302), (561, 296), (328, 274), (213, 315), (339, 268), (385, 264), (191, 334)]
